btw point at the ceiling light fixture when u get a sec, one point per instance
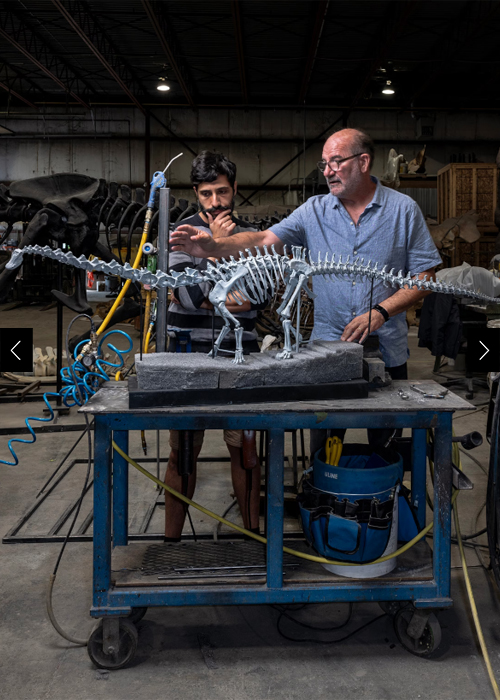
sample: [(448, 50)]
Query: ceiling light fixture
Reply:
[(388, 89), (163, 86)]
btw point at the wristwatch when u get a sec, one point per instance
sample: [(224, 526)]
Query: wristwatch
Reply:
[(382, 311)]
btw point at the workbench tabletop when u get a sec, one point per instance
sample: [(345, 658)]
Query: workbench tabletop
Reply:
[(113, 398)]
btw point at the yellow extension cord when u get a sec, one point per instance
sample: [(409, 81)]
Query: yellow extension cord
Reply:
[(147, 313), (148, 338), (473, 608), (472, 602), (259, 538), (137, 260), (145, 347)]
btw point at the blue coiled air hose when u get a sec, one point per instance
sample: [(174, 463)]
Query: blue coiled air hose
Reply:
[(88, 382)]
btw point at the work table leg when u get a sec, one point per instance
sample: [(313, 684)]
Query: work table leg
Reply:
[(442, 503), (120, 490), (419, 472), (275, 505), (102, 510)]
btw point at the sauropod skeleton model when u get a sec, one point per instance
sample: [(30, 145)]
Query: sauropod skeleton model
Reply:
[(256, 276)]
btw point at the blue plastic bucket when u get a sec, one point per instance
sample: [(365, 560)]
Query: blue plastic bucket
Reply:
[(356, 518), (361, 472)]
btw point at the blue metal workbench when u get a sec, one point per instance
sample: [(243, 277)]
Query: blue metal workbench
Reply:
[(384, 408)]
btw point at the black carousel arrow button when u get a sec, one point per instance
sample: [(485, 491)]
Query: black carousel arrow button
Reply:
[(16, 350), (483, 350)]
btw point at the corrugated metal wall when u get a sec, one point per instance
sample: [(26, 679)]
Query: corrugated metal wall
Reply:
[(111, 144), (425, 198)]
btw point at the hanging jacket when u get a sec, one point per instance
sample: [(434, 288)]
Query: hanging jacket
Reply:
[(440, 327)]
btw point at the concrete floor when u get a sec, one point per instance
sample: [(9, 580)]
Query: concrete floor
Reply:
[(247, 658)]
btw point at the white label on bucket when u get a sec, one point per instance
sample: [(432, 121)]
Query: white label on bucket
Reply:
[(331, 476)]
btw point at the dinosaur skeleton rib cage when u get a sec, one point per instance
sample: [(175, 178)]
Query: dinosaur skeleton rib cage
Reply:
[(256, 277)]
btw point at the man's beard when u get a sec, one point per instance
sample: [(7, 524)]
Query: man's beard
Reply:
[(345, 187), (215, 211)]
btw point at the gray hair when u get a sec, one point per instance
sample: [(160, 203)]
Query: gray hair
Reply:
[(362, 142)]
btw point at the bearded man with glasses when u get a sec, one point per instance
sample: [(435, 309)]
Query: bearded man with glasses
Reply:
[(359, 218)]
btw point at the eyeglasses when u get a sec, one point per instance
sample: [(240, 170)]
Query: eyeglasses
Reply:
[(335, 163)]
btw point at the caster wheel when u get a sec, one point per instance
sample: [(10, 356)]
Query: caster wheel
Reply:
[(392, 607), (136, 615), (126, 651), (427, 643)]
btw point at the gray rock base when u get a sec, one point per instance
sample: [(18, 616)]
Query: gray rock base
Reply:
[(320, 362), (376, 369)]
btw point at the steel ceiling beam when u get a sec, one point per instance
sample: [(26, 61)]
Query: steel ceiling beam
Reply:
[(448, 47), (33, 47), (99, 45), (319, 23), (97, 41), (156, 17), (490, 80), (17, 95), (19, 78), (240, 52)]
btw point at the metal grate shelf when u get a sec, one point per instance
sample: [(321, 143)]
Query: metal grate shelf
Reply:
[(206, 557)]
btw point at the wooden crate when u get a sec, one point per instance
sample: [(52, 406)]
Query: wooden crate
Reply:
[(478, 253), (466, 186)]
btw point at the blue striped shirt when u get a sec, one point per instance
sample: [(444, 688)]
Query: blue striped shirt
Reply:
[(391, 231)]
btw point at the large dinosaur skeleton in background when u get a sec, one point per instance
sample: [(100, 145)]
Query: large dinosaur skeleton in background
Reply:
[(70, 209), (256, 277), (62, 208)]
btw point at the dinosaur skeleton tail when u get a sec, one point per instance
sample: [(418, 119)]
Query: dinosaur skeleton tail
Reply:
[(358, 268)]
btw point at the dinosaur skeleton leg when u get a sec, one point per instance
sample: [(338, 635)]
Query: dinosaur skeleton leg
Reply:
[(218, 297), (238, 353), (295, 284), (304, 286), (286, 353), (298, 337), (227, 317), (289, 289), (224, 330)]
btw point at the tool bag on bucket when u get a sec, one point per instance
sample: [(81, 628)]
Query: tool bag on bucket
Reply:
[(347, 510)]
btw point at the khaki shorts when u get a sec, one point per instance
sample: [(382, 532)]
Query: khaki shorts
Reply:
[(231, 437)]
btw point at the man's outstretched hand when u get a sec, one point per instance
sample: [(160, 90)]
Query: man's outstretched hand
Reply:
[(189, 239), (357, 329)]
